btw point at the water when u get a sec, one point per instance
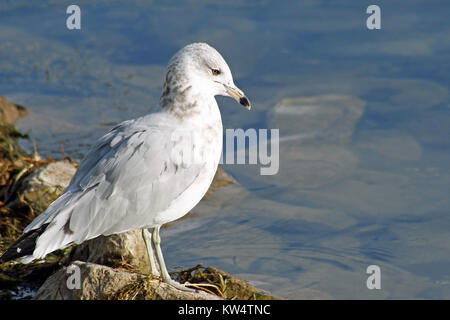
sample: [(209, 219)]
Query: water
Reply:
[(364, 181)]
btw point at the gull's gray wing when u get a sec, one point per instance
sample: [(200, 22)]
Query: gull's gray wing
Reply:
[(126, 178)]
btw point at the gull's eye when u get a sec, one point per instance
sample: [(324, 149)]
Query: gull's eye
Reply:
[(215, 72)]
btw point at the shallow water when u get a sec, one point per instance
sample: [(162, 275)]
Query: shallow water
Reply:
[(363, 116)]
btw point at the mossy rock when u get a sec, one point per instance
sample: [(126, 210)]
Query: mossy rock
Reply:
[(222, 284)]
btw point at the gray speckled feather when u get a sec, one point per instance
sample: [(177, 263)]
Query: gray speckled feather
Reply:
[(125, 179)]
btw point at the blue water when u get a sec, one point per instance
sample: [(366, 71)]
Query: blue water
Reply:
[(366, 184)]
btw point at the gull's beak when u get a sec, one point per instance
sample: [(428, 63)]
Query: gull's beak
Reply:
[(239, 96)]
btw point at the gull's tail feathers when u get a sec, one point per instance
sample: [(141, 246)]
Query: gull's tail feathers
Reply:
[(23, 247), (45, 233)]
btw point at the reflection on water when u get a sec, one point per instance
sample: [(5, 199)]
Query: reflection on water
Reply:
[(363, 116)]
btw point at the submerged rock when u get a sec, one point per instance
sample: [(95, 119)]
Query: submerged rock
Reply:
[(332, 117), (315, 136)]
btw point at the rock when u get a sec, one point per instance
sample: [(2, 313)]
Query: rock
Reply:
[(29, 186), (332, 117), (230, 286), (314, 165), (55, 175), (99, 282), (10, 112), (44, 185), (315, 132), (126, 250), (397, 146)]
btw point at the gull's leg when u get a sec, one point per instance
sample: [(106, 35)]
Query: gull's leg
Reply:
[(147, 235), (165, 275)]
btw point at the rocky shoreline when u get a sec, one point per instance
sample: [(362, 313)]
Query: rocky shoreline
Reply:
[(113, 267)]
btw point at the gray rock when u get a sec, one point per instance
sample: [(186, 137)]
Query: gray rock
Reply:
[(311, 166), (315, 132), (332, 117), (44, 185), (55, 175), (126, 250)]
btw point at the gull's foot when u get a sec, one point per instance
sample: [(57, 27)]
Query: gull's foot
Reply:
[(178, 286), (155, 273)]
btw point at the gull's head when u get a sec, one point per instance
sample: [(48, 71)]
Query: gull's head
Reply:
[(200, 67)]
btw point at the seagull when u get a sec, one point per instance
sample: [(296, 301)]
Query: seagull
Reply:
[(144, 172)]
